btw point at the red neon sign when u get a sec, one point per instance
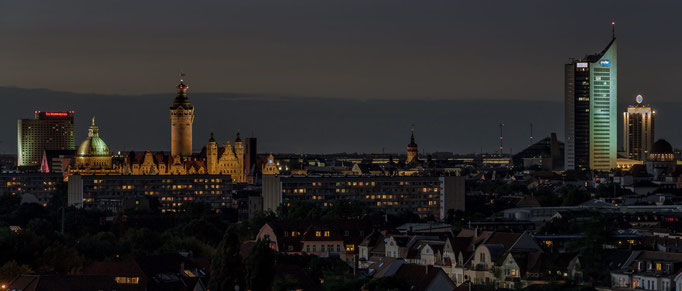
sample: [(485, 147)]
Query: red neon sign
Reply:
[(55, 114)]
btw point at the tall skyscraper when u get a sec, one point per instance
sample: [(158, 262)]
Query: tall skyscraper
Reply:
[(590, 111), (47, 131), (638, 130), (182, 118)]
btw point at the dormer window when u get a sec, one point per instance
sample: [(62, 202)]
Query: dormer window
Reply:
[(327, 233), (318, 233)]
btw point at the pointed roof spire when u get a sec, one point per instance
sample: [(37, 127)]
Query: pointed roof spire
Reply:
[(412, 143), (613, 29), (212, 139)]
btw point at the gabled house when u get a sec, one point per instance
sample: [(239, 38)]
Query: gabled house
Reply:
[(649, 270)]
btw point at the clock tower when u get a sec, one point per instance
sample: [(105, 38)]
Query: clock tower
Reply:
[(182, 118)]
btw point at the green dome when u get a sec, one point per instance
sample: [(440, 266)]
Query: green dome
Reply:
[(93, 146)]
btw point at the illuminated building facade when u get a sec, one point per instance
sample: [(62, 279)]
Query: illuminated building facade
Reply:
[(224, 160), (270, 167), (47, 131), (93, 154), (118, 192), (424, 195), (638, 130), (32, 187), (590, 111), (182, 118)]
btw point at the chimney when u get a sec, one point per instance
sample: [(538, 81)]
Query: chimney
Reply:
[(182, 268)]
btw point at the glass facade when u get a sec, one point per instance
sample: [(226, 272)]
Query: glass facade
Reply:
[(590, 111), (603, 102)]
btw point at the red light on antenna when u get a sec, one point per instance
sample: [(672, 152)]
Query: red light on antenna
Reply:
[(613, 23)]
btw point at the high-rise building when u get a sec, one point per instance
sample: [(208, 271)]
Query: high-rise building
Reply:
[(638, 130), (590, 111), (251, 155), (48, 131), (182, 118)]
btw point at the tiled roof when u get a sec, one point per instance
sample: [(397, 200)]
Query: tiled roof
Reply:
[(419, 277)]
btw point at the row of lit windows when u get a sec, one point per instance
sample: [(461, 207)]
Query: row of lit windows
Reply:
[(329, 248), (127, 280)]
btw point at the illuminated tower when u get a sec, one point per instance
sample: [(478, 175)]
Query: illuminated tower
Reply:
[(590, 110), (239, 152), (182, 117), (212, 156), (638, 130), (412, 149)]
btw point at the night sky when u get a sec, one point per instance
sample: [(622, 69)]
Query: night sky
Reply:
[(377, 66)]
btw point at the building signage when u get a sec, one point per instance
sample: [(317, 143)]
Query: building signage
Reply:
[(605, 63), (581, 65), (56, 114)]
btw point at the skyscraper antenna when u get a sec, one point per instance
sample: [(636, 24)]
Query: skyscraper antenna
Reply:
[(613, 29), (182, 77), (531, 133)]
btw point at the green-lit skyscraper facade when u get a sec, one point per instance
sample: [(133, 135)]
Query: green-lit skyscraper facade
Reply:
[(603, 101), (590, 111)]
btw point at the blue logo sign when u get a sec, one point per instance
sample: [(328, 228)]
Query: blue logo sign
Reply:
[(605, 63)]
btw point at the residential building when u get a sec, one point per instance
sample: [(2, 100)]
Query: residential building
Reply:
[(649, 270), (112, 192), (32, 187), (323, 238), (425, 195)]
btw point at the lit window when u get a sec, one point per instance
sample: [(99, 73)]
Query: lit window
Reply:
[(318, 233), (327, 233)]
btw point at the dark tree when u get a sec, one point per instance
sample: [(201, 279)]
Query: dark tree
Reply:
[(227, 267), (260, 266)]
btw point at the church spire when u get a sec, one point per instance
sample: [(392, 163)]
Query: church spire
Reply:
[(93, 130), (412, 143)]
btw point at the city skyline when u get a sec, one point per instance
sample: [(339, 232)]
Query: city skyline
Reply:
[(352, 145), (145, 125)]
